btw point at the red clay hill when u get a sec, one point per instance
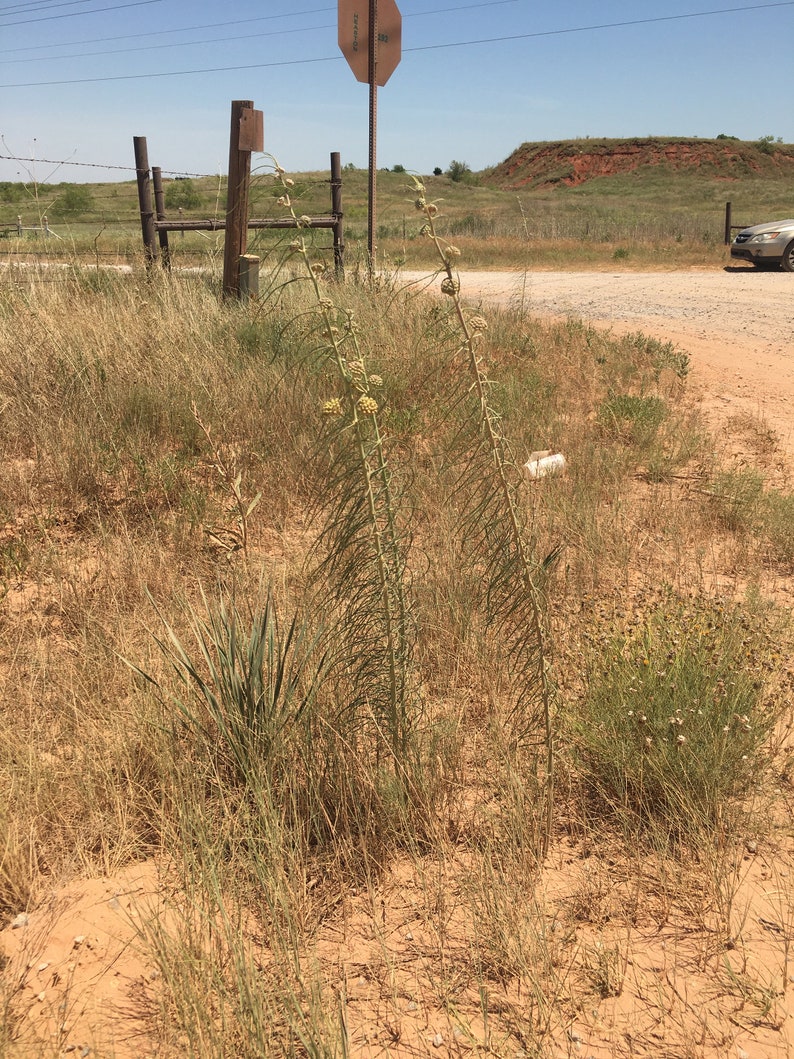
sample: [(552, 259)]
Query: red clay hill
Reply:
[(572, 162)]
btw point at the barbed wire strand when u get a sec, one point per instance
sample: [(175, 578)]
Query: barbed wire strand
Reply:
[(131, 168)]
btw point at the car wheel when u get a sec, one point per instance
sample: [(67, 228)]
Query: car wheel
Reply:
[(788, 258)]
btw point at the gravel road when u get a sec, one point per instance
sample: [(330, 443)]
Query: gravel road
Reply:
[(737, 324)]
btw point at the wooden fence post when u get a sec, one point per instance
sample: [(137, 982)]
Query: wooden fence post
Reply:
[(240, 147), (145, 199), (336, 212), (249, 277), (159, 205)]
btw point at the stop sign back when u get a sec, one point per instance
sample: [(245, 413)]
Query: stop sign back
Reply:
[(354, 37)]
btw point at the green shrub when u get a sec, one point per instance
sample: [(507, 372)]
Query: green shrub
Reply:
[(11, 192), (182, 194), (458, 171), (671, 729), (72, 199)]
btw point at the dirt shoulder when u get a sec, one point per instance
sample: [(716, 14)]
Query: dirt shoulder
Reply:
[(737, 324)]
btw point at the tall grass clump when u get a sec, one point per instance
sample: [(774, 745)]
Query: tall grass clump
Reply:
[(359, 564), (494, 528), (670, 735)]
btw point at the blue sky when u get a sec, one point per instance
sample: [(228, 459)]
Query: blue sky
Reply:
[(80, 78)]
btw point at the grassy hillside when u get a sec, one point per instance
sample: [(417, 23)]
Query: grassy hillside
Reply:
[(649, 203)]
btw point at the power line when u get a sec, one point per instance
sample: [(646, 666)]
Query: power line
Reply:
[(603, 25), (174, 44), (38, 5), (242, 22), (75, 14), (157, 33), (419, 48)]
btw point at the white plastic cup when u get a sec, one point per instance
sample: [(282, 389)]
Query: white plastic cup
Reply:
[(544, 467)]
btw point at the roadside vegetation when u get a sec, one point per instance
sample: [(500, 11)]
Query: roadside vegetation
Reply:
[(426, 753)]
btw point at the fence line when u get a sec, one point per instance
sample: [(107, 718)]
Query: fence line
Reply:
[(98, 165), (43, 227), (238, 267)]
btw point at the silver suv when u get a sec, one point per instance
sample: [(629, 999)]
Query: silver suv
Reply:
[(766, 245)]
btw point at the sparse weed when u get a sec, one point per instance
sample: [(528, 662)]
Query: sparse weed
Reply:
[(742, 505), (605, 969), (777, 520), (632, 419), (737, 499)]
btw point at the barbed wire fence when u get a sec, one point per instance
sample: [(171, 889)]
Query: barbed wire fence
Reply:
[(16, 227)]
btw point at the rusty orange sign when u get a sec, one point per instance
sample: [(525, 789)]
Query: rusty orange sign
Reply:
[(354, 37)]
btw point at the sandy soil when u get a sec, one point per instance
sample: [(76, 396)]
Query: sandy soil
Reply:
[(737, 324), (84, 982)]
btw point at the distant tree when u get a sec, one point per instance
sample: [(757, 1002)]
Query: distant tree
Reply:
[(398, 169), (182, 194), (72, 199), (458, 170), (438, 171), (10, 192), (725, 136)]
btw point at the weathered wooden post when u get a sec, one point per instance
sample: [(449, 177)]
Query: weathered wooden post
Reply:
[(336, 212), (249, 276), (145, 199), (159, 205), (246, 136)]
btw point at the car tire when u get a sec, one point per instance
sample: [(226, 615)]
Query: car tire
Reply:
[(787, 261)]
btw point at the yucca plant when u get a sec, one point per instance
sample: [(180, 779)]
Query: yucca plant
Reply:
[(248, 684)]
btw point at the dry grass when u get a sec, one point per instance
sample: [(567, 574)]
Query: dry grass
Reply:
[(339, 892)]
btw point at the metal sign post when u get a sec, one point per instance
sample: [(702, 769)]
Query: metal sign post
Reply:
[(373, 134), (370, 37)]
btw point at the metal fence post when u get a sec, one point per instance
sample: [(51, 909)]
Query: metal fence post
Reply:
[(159, 205), (336, 212), (145, 199)]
